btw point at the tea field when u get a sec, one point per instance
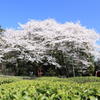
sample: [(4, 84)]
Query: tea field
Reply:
[(50, 88)]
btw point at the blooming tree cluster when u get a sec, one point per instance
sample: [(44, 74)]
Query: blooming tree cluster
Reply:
[(37, 40)]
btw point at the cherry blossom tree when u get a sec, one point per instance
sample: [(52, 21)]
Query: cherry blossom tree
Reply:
[(38, 40)]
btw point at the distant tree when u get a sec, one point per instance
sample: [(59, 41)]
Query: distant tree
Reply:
[(1, 29), (97, 64)]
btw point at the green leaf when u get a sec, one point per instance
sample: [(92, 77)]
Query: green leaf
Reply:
[(93, 98)]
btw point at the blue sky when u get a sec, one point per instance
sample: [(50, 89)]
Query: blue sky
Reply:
[(14, 11)]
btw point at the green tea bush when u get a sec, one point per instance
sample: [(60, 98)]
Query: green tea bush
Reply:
[(73, 79), (9, 80), (84, 79), (50, 88)]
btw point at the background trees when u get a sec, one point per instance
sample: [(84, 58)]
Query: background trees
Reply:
[(48, 43), (1, 29)]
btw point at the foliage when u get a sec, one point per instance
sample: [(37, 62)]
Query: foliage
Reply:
[(4, 79), (1, 29), (97, 64), (51, 43), (49, 89), (84, 79), (79, 80)]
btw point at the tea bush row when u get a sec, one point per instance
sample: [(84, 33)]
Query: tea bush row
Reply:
[(8, 80), (50, 89), (73, 79)]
